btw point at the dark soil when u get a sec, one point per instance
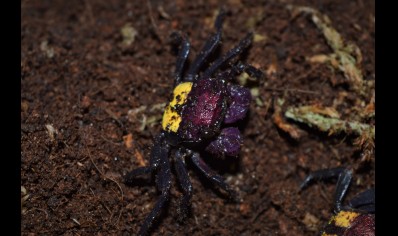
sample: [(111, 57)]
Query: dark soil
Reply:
[(84, 91)]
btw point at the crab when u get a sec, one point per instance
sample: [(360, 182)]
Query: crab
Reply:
[(355, 219), (201, 117)]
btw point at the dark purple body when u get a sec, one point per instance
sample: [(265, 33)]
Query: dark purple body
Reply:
[(210, 103), (363, 225), (204, 111)]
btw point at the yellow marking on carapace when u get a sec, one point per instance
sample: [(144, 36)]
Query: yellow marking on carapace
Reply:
[(171, 118), (325, 234), (344, 218)]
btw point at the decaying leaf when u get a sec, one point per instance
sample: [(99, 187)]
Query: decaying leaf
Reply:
[(139, 157), (365, 142), (259, 37), (255, 19), (128, 33), (279, 121), (332, 125), (141, 112), (128, 140), (346, 56), (51, 131), (311, 222), (326, 111)]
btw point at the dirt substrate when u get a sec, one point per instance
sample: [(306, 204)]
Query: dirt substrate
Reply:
[(95, 79)]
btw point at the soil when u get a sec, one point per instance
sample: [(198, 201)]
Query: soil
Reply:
[(92, 100)]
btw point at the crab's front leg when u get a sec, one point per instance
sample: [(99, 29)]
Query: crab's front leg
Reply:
[(239, 98)]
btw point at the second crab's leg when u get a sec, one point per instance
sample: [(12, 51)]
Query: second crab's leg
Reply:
[(364, 201), (185, 183), (207, 49), (213, 176), (344, 179)]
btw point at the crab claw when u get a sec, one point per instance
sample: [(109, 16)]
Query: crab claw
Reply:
[(240, 103), (227, 143)]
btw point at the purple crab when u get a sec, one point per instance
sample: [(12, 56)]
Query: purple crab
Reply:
[(200, 117)]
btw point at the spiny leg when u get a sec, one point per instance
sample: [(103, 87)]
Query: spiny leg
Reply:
[(182, 56), (185, 183), (344, 179), (243, 44), (207, 49), (212, 176)]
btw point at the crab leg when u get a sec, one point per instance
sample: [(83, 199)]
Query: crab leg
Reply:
[(364, 201), (182, 57), (185, 183), (163, 182), (212, 176), (158, 162), (207, 49), (160, 148), (344, 179), (243, 44)]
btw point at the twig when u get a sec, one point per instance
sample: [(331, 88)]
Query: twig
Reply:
[(34, 208), (104, 176)]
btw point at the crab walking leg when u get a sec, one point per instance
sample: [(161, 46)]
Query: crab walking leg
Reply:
[(207, 49), (182, 57), (240, 67), (158, 162), (160, 148), (163, 182), (251, 70), (344, 179), (343, 183), (130, 177), (185, 183), (212, 176), (364, 201), (243, 44)]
